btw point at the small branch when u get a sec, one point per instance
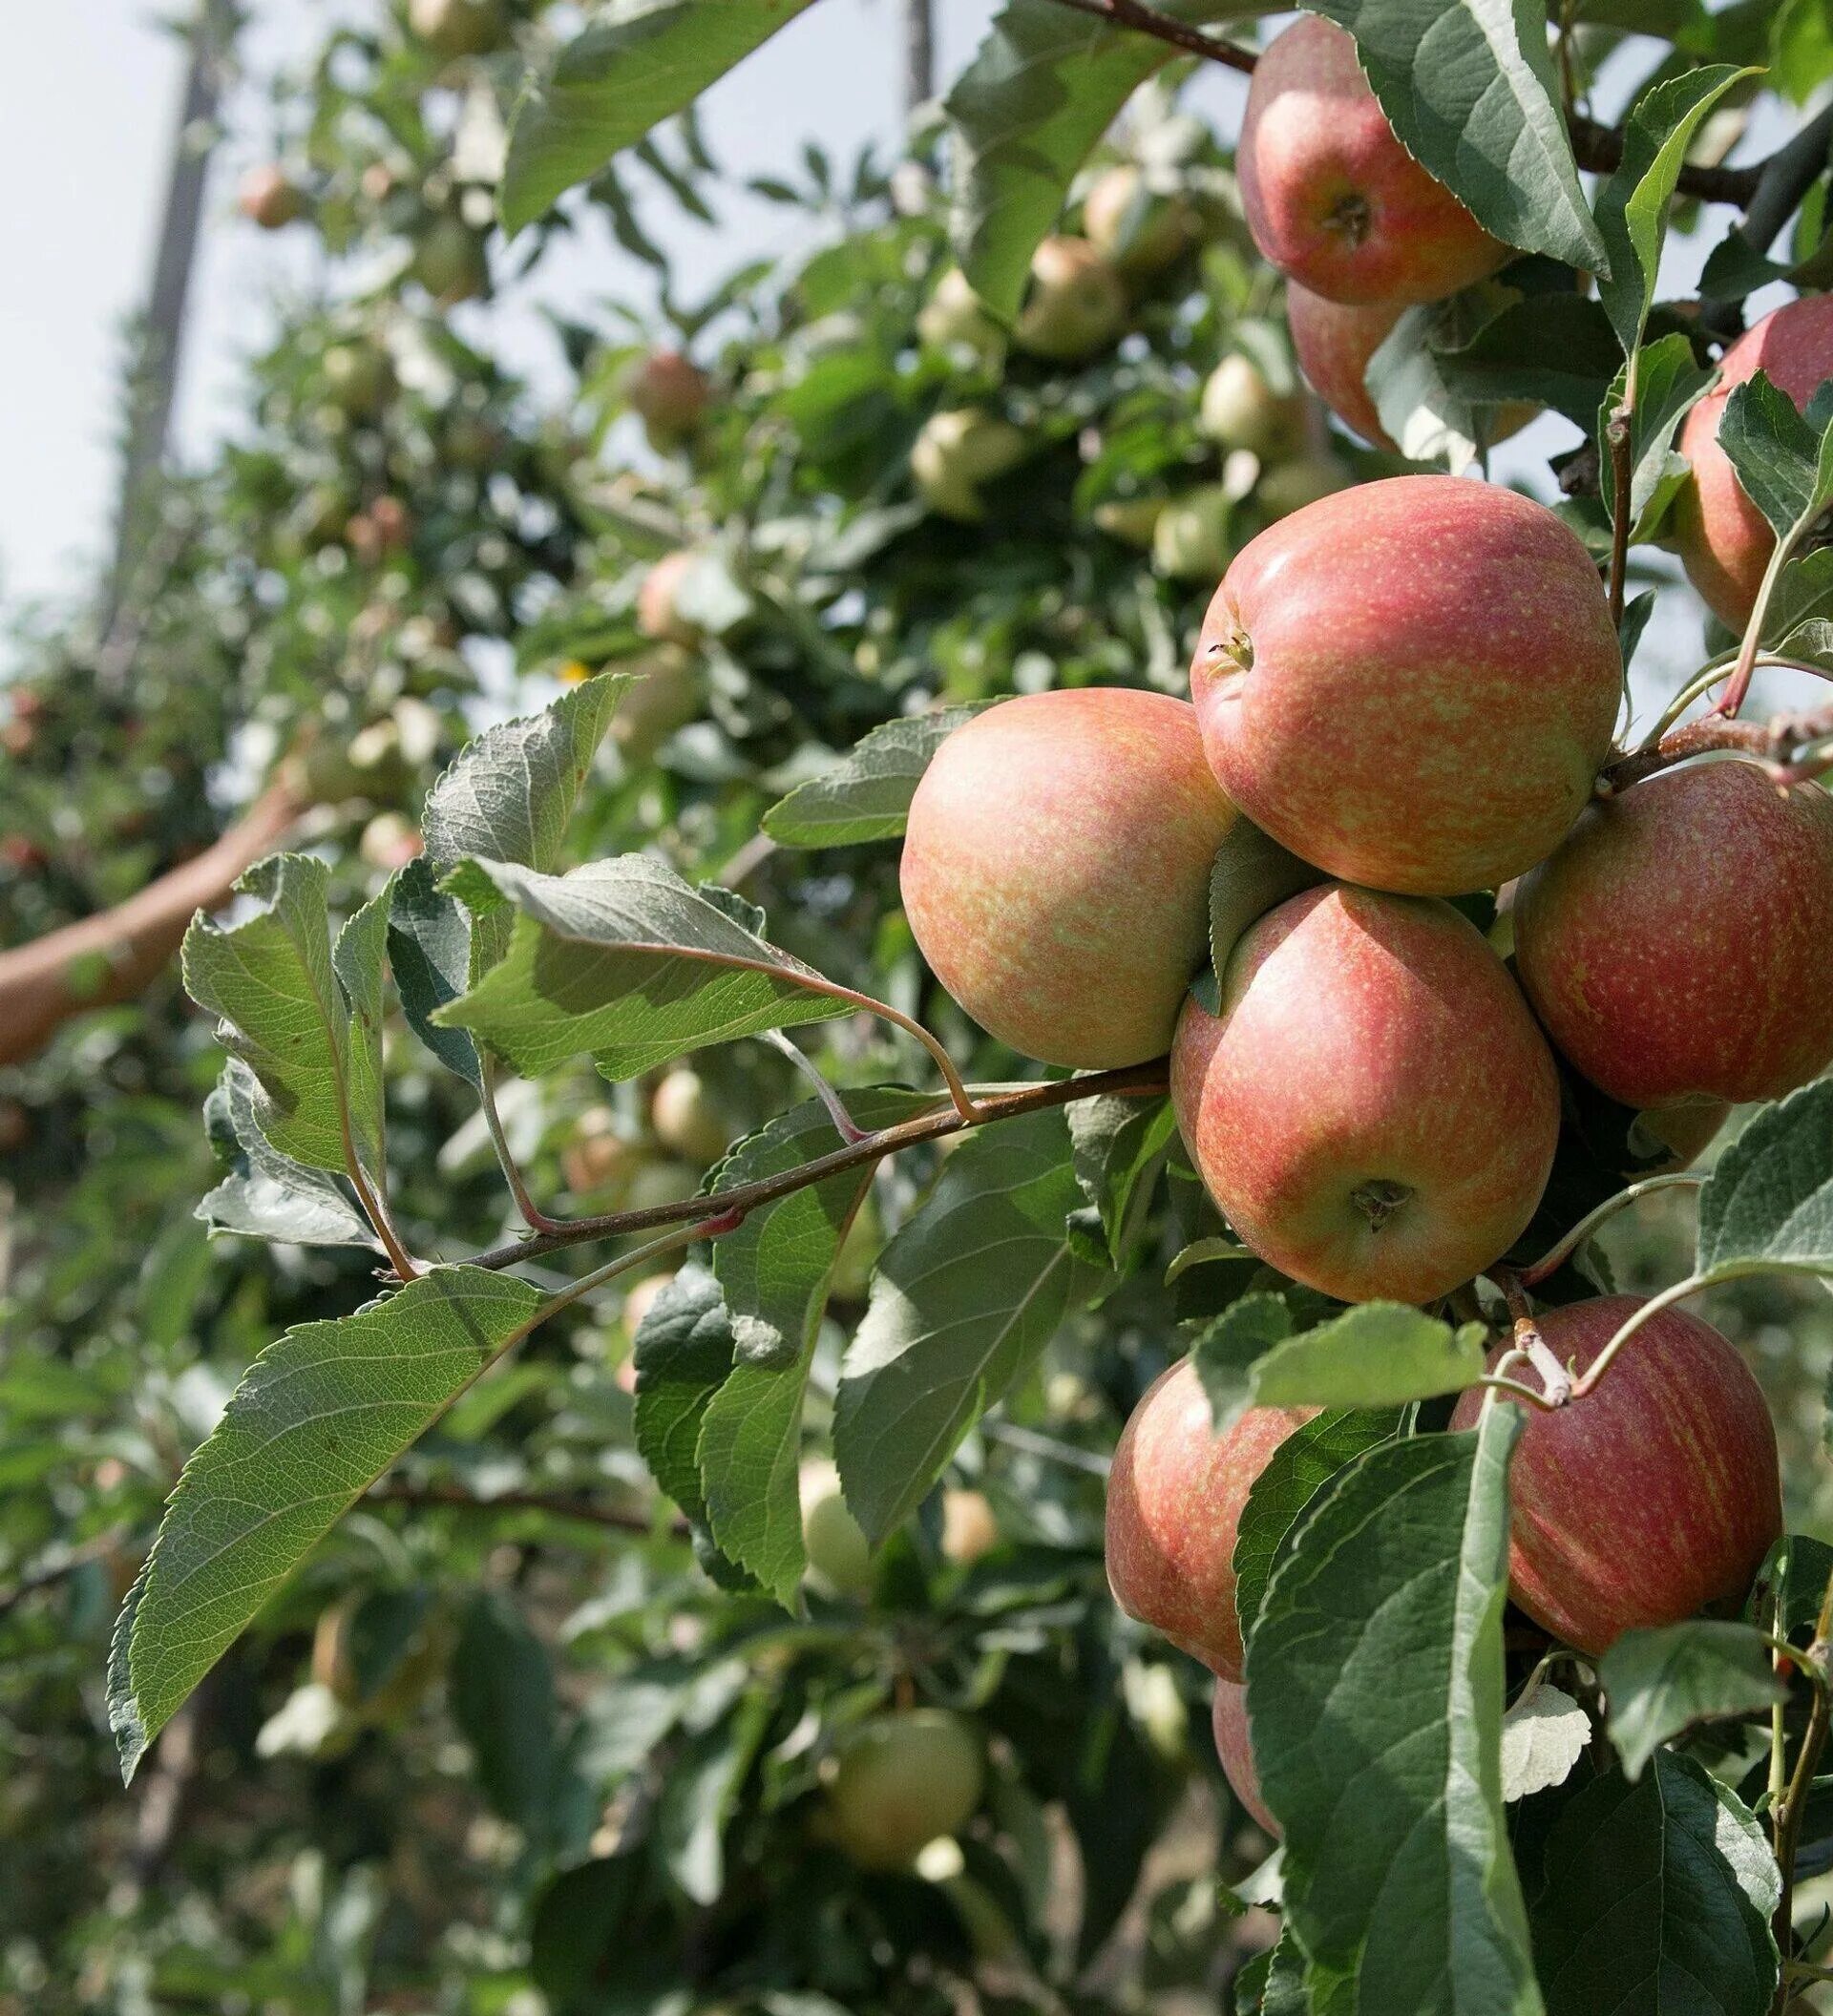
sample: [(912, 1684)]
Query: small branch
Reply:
[(1557, 1257), (1617, 435), (1136, 1081), (842, 1120), (49, 1576), (1556, 1382), (1162, 28), (1599, 150), (1741, 673), (533, 1216), (1785, 178), (1794, 1807), (377, 1213), (454, 1498), (1587, 1381), (1047, 1446)]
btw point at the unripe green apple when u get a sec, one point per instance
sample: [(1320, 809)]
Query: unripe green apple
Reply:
[(1190, 535), (1056, 870), (358, 377), (271, 197), (902, 1780), (957, 451), (1139, 232), (666, 697), (685, 1118), (1675, 945), (1651, 1499), (670, 394), (658, 614), (1412, 683), (1666, 1137), (1290, 486), (600, 1157), (1374, 1111), (1332, 196), (1234, 1747), (458, 28), (1175, 1495), (1076, 305), (955, 317), (1131, 521), (1725, 542), (1241, 410), (449, 261), (840, 1553)]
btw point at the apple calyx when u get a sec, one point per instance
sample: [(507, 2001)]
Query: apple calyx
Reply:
[(1350, 217), (1237, 647), (1378, 1199)]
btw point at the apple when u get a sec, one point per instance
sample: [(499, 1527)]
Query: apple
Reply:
[(1669, 1138), (658, 612), (1332, 196), (958, 449), (1176, 1496), (1077, 303), (1191, 534), (1674, 946), (271, 197), (600, 1157), (1725, 541), (449, 261), (666, 697), (901, 1780), (1290, 486), (458, 28), (970, 1528), (670, 394), (1372, 1111), (685, 1118), (1131, 521), (1412, 683), (641, 1299), (358, 377), (1138, 231), (1056, 870), (390, 840), (1234, 1747), (1238, 408), (955, 317), (1653, 1496), (840, 1553)]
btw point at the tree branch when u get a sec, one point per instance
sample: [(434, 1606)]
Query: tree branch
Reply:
[(455, 1498), (1162, 28), (1146, 1080)]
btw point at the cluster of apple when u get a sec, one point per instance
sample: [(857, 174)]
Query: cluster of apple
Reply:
[(1402, 694)]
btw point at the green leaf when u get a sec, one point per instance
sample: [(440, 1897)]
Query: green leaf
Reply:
[(1468, 86), (1656, 1896), (1375, 1686), (1768, 1202), (1804, 593), (700, 1795), (1543, 1737), (1231, 1344), (429, 953), (622, 962), (968, 1293), (1377, 1354), (1669, 384), (320, 1414), (266, 1195), (1117, 1149), (684, 1353), (1788, 1592), (1299, 1469), (866, 796), (1556, 350), (359, 960), (1774, 451), (1251, 874), (1422, 409), (1660, 1682), (503, 1702), (1632, 203), (640, 62), (270, 979)]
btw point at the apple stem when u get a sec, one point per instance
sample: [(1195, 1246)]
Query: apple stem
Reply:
[(842, 1120), (1556, 1382), (533, 1216), (1497, 1383), (1617, 435), (1587, 1381)]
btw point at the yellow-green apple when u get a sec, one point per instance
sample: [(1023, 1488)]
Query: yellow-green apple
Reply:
[(1139, 231), (670, 394), (901, 1780), (666, 697), (1175, 1495), (685, 1117), (1191, 534), (658, 601), (1332, 196), (955, 317), (1238, 408), (1655, 1496), (1234, 1747), (840, 1553), (1056, 870), (1675, 945), (358, 376), (1412, 683), (458, 28), (1669, 1138), (271, 197), (450, 262), (1725, 541), (1076, 305), (1372, 1111), (958, 449), (600, 1157), (1131, 521), (1290, 486), (970, 1527)]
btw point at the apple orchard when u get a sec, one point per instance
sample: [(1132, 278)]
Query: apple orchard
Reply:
[(973, 1183)]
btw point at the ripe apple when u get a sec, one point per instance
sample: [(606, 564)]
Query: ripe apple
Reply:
[(1176, 1496), (1238, 408), (1374, 1111), (1077, 303), (1234, 1747), (1725, 541), (1412, 683), (390, 840), (1191, 534), (955, 317), (600, 1157), (1674, 946), (970, 1527), (683, 1117), (1056, 870), (1138, 231), (840, 1553), (458, 28), (449, 261), (1332, 196), (958, 449), (670, 394), (901, 1780), (658, 613), (271, 197), (1652, 1497)]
